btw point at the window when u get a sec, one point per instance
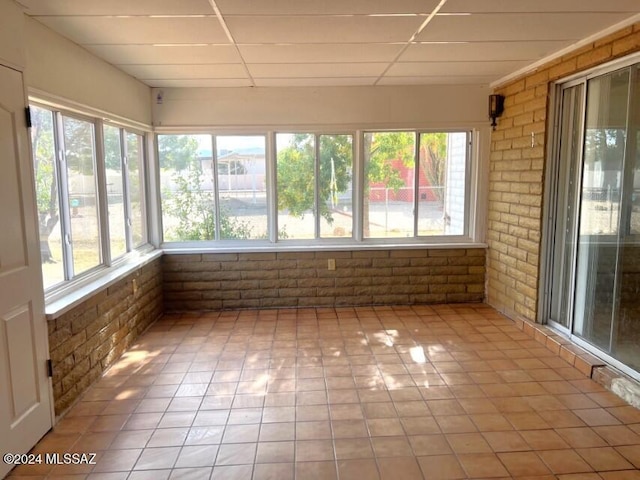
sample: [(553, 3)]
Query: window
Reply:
[(75, 182), (213, 197), (405, 198), (314, 186), (405, 186)]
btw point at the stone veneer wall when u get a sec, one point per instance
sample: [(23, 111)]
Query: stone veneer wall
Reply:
[(87, 339), (517, 174), (302, 279)]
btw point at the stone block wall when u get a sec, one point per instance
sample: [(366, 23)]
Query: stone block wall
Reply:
[(87, 339), (302, 279), (517, 164)]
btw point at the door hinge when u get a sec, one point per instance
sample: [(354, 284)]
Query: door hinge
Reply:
[(27, 112), (49, 368)]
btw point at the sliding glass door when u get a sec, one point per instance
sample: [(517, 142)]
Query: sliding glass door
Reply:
[(595, 274)]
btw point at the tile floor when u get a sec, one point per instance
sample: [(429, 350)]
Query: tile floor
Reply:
[(426, 392)]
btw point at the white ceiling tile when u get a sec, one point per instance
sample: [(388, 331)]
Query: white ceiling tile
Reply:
[(480, 51), (139, 30), (315, 82), (153, 55), (321, 53), (305, 70), (198, 83), (415, 69), (456, 80), (327, 29), (169, 72), (506, 6), (324, 7), (117, 7), (517, 27)]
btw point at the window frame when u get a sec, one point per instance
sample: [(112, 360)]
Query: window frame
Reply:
[(72, 281), (475, 195)]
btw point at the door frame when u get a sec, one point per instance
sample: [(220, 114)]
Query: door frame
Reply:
[(29, 204), (550, 198)]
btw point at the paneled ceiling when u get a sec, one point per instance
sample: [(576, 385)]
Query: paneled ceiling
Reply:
[(220, 43)]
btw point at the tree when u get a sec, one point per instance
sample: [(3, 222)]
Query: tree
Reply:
[(433, 160), (191, 205), (297, 172), (381, 149), (42, 142)]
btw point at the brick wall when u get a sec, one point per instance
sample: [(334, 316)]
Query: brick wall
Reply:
[(516, 174), (86, 340), (302, 279)]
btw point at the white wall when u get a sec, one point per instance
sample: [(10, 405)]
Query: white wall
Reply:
[(385, 107), (11, 35), (62, 68)]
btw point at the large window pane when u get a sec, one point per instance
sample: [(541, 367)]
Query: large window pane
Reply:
[(115, 191), (601, 202), (242, 188), (186, 182), (47, 189), (389, 184), (442, 183), (296, 185), (79, 142), (135, 159), (335, 186)]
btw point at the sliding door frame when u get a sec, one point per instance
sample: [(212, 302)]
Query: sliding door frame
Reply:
[(551, 209)]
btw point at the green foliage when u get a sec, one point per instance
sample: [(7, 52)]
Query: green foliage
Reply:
[(177, 151), (297, 172), (381, 150), (194, 208), (78, 145), (433, 159)]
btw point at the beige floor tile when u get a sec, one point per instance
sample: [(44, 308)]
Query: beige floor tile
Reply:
[(399, 468), (506, 441), (275, 452), (391, 447), (316, 471), (520, 464), (564, 461), (283, 394), (273, 471), (353, 448), (314, 450), (441, 467), (358, 470)]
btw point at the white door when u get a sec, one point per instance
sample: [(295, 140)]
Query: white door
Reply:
[(25, 399)]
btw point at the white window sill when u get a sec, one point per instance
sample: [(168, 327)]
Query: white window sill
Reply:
[(64, 302), (302, 246)]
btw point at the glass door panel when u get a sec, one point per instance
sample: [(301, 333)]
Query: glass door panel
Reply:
[(564, 241), (626, 332), (601, 204)]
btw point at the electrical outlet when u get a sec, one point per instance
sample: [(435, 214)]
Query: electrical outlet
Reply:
[(331, 264)]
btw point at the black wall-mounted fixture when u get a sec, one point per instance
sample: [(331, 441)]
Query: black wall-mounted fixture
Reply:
[(496, 107)]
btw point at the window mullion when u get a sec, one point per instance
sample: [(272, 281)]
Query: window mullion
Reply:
[(63, 196), (214, 180), (358, 185), (101, 192), (416, 181), (126, 188), (316, 194), (271, 179)]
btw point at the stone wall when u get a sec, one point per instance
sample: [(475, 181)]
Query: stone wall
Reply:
[(302, 279), (517, 173), (86, 340)]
